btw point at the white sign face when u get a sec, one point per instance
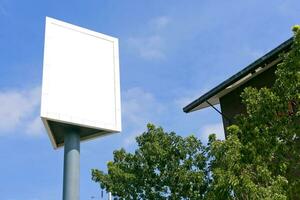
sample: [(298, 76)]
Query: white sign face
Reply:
[(80, 79)]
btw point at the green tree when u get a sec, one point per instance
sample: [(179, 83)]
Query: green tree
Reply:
[(165, 166), (261, 157)]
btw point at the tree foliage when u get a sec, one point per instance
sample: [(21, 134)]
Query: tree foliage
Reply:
[(165, 166), (260, 158)]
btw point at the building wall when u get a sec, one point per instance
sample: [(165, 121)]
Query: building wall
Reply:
[(231, 103)]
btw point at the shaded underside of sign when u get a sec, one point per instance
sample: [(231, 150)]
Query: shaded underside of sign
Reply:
[(58, 129)]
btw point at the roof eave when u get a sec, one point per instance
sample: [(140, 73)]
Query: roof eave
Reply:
[(249, 69)]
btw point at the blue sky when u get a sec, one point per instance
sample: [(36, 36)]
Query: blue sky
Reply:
[(170, 53)]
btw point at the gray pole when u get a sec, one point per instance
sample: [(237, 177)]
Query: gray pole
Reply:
[(71, 166)]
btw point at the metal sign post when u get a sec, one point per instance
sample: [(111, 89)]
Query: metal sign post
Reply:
[(71, 166)]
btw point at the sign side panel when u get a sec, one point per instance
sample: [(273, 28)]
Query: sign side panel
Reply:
[(118, 120)]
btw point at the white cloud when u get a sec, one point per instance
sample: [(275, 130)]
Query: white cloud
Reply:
[(139, 105), (187, 96), (17, 107), (151, 46), (35, 127), (183, 101), (160, 22), (139, 108), (130, 139), (210, 129)]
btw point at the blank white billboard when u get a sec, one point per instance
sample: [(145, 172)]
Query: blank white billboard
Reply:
[(81, 83)]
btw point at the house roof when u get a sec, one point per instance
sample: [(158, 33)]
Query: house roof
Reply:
[(268, 60)]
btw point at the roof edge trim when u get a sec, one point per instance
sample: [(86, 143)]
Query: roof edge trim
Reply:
[(250, 68)]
